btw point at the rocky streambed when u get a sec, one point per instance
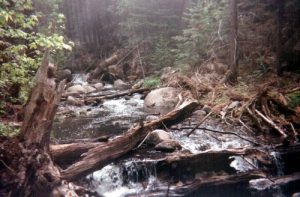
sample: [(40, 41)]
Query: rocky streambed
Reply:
[(168, 162)]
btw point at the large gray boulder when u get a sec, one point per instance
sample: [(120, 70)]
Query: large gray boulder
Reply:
[(162, 97), (157, 136), (121, 85)]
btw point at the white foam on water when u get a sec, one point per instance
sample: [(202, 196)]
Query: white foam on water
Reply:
[(241, 165), (260, 184), (108, 182), (80, 79), (122, 107)]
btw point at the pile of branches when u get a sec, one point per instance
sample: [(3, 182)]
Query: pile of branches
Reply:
[(269, 108)]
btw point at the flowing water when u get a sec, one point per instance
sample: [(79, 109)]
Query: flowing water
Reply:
[(136, 174)]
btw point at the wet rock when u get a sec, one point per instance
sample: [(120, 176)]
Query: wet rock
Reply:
[(296, 194), (206, 108), (162, 97), (158, 136), (76, 89), (234, 105), (64, 74), (74, 101), (168, 146), (98, 86), (260, 184), (89, 89), (120, 85), (204, 147), (127, 97), (200, 113), (151, 118)]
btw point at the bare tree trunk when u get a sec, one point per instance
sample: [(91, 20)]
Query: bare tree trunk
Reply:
[(231, 78), (27, 156), (279, 41)]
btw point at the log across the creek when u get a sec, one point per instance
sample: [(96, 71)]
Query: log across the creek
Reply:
[(103, 154)]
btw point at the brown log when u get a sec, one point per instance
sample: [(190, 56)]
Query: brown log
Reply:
[(211, 161), (284, 180), (208, 185), (116, 58), (92, 99), (106, 153), (67, 153)]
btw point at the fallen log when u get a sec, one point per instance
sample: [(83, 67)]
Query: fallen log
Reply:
[(65, 154), (184, 166), (88, 99), (211, 161), (214, 185), (91, 99), (103, 154), (116, 58)]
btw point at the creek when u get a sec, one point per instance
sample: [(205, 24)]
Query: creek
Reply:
[(137, 173)]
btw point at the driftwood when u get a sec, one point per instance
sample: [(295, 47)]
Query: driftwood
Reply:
[(92, 99), (68, 153), (199, 124), (284, 180), (27, 156), (103, 154), (271, 123), (117, 58), (214, 185), (212, 161)]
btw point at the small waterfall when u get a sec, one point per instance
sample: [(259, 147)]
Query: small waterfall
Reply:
[(128, 177), (278, 163)]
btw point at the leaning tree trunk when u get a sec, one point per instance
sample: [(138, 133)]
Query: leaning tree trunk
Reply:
[(232, 75), (29, 167)]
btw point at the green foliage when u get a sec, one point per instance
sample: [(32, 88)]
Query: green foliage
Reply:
[(151, 82), (205, 22), (7, 130), (25, 34), (294, 99), (162, 55)]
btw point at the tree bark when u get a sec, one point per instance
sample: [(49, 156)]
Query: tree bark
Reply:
[(30, 170), (232, 75), (113, 59), (279, 40), (208, 186), (41, 107)]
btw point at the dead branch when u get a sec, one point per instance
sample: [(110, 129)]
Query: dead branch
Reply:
[(92, 99), (271, 123), (199, 124)]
